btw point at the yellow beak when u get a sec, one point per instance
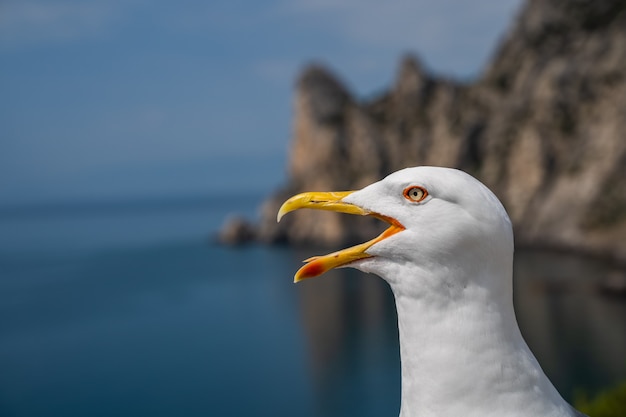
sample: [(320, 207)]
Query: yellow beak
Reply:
[(320, 201), (333, 201)]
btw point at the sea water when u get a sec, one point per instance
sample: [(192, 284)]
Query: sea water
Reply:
[(129, 308)]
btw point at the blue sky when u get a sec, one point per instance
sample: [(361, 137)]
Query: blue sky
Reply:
[(117, 99)]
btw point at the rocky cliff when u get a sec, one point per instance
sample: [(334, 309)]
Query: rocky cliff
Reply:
[(544, 127)]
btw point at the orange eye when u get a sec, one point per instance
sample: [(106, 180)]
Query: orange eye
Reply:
[(415, 193)]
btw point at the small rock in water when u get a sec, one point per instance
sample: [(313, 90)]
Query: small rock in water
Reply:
[(236, 231)]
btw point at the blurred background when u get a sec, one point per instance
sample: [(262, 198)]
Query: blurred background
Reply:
[(130, 130)]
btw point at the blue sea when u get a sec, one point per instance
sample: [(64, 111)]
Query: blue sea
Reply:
[(128, 308)]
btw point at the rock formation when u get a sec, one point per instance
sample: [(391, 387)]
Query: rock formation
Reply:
[(544, 127)]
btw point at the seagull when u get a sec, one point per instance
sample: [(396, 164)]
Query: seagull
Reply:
[(448, 258)]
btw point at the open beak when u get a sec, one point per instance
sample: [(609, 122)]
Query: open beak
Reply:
[(333, 201)]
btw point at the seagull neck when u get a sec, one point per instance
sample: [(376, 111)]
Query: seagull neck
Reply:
[(466, 354)]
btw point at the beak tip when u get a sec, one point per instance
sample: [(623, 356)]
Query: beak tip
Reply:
[(284, 209), (299, 276)]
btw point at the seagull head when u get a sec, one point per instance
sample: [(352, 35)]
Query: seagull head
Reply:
[(445, 227), (447, 255)]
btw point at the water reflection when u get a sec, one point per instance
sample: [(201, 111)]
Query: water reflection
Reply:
[(351, 328), (577, 334)]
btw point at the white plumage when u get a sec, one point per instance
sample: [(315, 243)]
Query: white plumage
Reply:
[(448, 258)]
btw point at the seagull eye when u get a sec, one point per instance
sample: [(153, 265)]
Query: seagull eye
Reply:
[(415, 194)]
